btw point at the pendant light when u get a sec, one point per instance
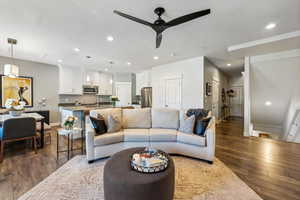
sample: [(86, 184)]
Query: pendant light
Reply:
[(11, 70)]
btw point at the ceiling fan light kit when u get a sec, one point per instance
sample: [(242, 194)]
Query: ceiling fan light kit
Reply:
[(160, 25)]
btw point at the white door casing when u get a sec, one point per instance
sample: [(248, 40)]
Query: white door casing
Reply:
[(123, 92), (172, 92)]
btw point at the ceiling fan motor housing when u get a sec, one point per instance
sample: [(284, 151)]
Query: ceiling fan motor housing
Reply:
[(159, 11)]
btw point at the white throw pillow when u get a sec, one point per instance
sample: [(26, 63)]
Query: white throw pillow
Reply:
[(115, 112), (137, 118), (113, 124), (187, 124)]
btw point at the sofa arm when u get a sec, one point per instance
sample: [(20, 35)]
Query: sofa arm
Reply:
[(210, 135), (89, 140)]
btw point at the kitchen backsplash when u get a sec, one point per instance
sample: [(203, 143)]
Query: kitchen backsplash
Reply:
[(83, 99)]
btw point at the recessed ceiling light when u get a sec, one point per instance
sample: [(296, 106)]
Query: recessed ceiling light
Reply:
[(129, 63), (59, 60), (155, 57), (270, 26), (106, 69), (76, 49), (228, 64), (109, 38), (268, 103)]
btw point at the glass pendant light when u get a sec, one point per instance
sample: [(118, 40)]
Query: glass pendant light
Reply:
[(11, 70)]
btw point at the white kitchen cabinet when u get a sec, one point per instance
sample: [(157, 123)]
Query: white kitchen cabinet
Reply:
[(105, 84), (143, 79), (70, 80), (91, 77)]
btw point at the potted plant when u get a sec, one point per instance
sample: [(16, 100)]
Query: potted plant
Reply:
[(15, 107), (114, 99), (69, 122)]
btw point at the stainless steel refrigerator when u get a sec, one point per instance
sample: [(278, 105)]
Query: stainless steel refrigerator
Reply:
[(146, 97)]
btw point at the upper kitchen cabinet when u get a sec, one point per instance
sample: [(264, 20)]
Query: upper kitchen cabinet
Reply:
[(70, 80), (105, 84), (91, 77), (143, 79)]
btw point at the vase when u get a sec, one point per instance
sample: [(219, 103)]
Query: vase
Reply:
[(15, 113)]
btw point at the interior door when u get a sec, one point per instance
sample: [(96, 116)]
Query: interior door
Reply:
[(123, 92), (237, 102), (173, 92), (215, 99)]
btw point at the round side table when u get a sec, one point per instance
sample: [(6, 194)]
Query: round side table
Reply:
[(69, 134)]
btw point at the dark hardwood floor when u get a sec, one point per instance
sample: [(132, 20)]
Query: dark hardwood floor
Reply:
[(270, 167)]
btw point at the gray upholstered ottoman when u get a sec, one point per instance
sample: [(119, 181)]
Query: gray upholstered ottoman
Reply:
[(123, 183)]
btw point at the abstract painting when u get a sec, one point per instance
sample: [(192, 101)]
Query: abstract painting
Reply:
[(19, 88)]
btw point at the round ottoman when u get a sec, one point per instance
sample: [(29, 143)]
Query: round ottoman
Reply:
[(123, 183)]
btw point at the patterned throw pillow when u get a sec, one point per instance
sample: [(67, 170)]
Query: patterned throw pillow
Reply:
[(113, 124), (187, 124), (99, 125)]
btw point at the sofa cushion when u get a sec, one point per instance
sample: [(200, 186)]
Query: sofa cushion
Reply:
[(113, 124), (163, 135), (187, 124), (109, 138), (191, 139), (136, 135), (137, 118), (115, 112), (165, 118)]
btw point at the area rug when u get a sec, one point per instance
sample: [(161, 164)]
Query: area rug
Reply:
[(195, 180)]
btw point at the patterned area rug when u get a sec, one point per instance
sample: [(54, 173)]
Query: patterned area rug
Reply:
[(195, 180)]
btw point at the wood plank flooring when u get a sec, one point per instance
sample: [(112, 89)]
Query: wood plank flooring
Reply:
[(270, 167)]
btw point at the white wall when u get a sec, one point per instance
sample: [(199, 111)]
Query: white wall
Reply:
[(192, 71), (275, 78), (211, 72), (45, 83), (237, 80)]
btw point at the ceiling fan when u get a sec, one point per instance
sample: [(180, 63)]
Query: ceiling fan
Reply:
[(160, 25)]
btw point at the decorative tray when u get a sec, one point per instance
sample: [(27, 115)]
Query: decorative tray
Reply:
[(149, 161)]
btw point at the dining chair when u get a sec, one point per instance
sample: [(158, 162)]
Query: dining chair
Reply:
[(17, 129)]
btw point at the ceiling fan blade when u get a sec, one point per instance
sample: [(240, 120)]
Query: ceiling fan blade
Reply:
[(158, 39), (133, 18), (186, 18)]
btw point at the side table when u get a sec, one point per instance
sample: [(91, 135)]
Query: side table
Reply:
[(69, 134)]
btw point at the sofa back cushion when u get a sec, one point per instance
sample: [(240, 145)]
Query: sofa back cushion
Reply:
[(137, 118), (165, 118), (115, 112)]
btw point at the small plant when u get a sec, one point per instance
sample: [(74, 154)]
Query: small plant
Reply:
[(69, 122), (14, 105), (114, 99)]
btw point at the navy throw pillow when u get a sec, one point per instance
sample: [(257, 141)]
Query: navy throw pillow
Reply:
[(99, 125), (201, 125)]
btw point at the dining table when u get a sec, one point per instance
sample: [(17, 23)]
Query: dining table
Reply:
[(38, 118)]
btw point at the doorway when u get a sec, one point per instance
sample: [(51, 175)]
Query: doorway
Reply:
[(123, 92), (173, 92)]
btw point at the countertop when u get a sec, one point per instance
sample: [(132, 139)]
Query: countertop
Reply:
[(85, 108)]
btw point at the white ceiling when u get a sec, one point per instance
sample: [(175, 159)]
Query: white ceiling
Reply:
[(49, 30)]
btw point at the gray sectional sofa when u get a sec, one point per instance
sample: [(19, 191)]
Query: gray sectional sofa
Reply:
[(157, 128)]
